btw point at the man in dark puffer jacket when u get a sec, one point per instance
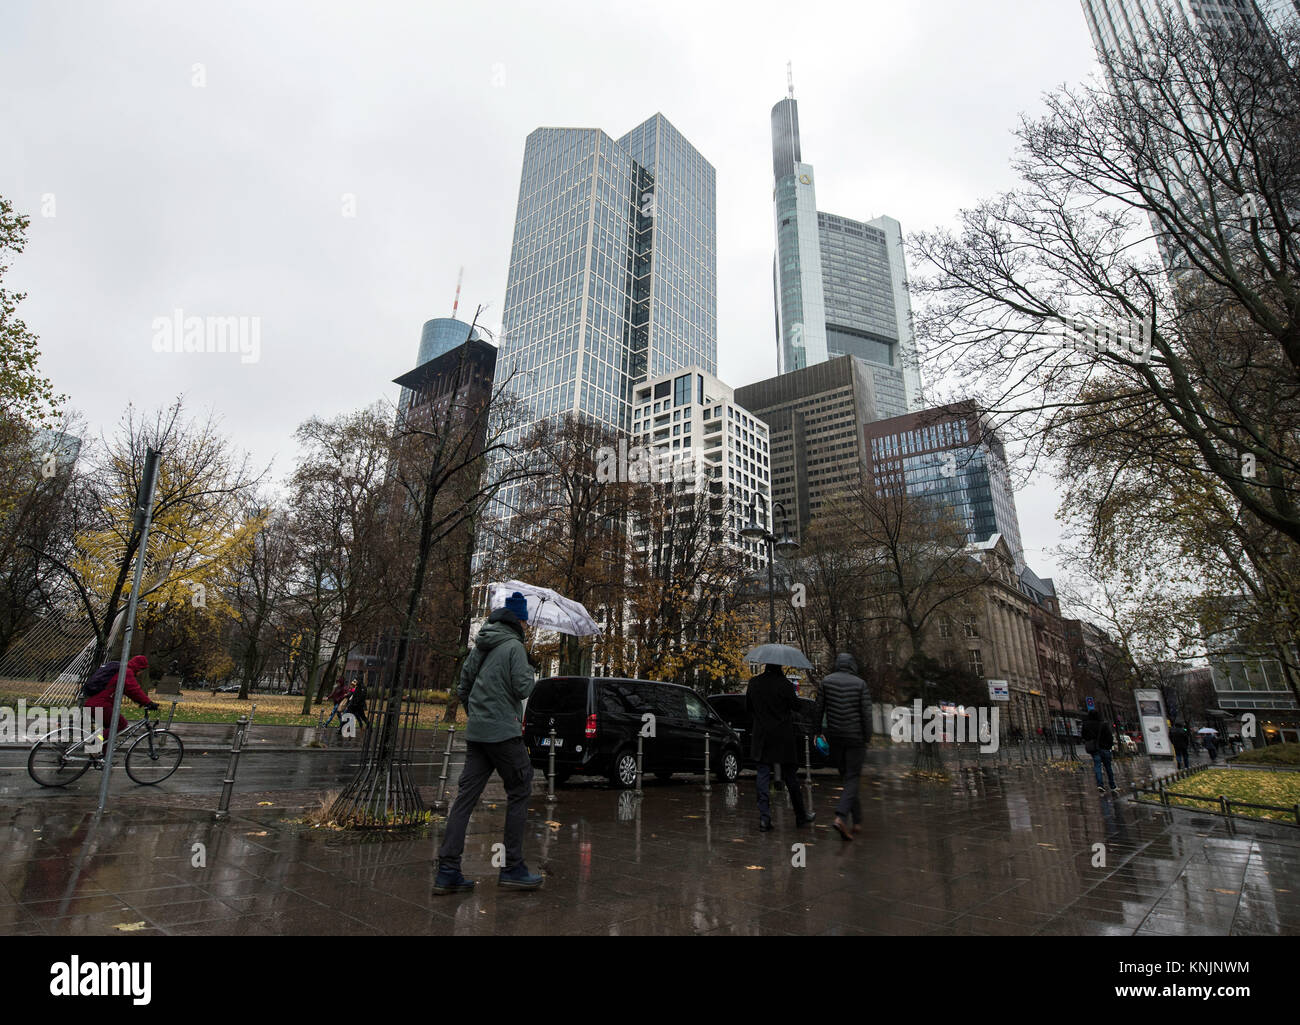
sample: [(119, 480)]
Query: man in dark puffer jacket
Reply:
[(845, 702)]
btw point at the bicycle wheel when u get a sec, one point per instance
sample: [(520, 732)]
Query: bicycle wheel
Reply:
[(154, 757), (58, 758)]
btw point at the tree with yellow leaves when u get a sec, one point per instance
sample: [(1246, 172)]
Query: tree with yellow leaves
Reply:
[(200, 521)]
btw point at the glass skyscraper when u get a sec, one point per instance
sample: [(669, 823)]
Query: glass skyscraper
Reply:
[(1119, 23), (951, 457), (840, 285), (613, 268), (1126, 25)]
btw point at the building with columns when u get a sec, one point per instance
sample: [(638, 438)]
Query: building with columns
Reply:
[(1007, 648)]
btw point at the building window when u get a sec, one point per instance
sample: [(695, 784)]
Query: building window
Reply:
[(682, 390), (970, 627), (945, 627), (976, 661)]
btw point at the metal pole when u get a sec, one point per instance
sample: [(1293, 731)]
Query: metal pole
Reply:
[(807, 757), (446, 767), (550, 770), (144, 520), (170, 716), (228, 785), (771, 590), (707, 787), (639, 741)]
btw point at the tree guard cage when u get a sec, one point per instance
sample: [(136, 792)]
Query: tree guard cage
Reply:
[(382, 794)]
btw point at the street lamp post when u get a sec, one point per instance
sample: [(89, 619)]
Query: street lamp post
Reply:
[(786, 545)]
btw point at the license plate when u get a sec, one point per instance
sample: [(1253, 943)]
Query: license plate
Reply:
[(546, 742)]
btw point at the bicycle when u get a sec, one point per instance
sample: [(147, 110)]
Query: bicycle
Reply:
[(62, 756)]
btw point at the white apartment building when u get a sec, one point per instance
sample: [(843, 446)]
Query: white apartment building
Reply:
[(691, 415)]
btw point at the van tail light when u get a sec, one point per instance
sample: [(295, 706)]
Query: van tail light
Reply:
[(591, 726)]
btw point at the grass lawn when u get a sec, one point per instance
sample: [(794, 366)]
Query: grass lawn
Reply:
[(1274, 754), (1258, 786), (203, 706)]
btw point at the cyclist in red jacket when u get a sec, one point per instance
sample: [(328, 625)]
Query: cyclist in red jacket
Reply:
[(133, 690)]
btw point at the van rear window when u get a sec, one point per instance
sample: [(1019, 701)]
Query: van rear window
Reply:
[(560, 696)]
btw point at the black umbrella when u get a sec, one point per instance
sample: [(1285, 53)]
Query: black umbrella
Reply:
[(778, 655)]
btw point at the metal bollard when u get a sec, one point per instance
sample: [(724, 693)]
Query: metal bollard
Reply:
[(639, 741), (807, 758), (550, 770), (170, 716), (708, 788), (252, 711), (228, 786), (446, 767)]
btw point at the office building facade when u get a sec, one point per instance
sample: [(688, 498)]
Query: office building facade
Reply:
[(816, 418), (692, 421), (1117, 24), (438, 337), (840, 285), (951, 456), (613, 269)]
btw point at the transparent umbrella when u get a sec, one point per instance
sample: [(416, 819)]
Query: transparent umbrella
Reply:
[(547, 609)]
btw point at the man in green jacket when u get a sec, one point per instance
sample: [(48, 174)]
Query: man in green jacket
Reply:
[(496, 678)]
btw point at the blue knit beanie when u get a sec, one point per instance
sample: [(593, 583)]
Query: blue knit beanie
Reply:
[(518, 604)]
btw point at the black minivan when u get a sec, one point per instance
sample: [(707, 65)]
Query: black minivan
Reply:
[(597, 721)]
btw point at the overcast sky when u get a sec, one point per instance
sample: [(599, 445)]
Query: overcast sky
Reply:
[(197, 156)]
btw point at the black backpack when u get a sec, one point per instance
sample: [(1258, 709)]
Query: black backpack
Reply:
[(104, 676)]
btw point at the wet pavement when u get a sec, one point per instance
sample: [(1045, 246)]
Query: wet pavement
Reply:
[(1006, 850)]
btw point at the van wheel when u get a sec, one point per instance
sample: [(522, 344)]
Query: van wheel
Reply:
[(623, 774), (729, 767)]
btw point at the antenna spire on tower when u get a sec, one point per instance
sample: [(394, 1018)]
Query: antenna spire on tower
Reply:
[(789, 77), (456, 302)]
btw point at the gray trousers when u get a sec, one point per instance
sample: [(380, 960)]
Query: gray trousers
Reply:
[(849, 756), (509, 759)]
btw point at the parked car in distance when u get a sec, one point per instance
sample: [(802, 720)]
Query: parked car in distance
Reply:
[(228, 688), (597, 721), (733, 711)]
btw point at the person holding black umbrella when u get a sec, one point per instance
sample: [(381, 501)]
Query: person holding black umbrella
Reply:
[(771, 702)]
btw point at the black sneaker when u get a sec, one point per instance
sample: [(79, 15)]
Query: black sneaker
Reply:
[(765, 825), (519, 878), (450, 880), (807, 820)]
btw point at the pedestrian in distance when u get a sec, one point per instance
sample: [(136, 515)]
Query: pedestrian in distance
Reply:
[(1099, 741), (771, 701), (844, 704), (494, 681), (1181, 737), (1211, 748), (338, 696), (356, 705)]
